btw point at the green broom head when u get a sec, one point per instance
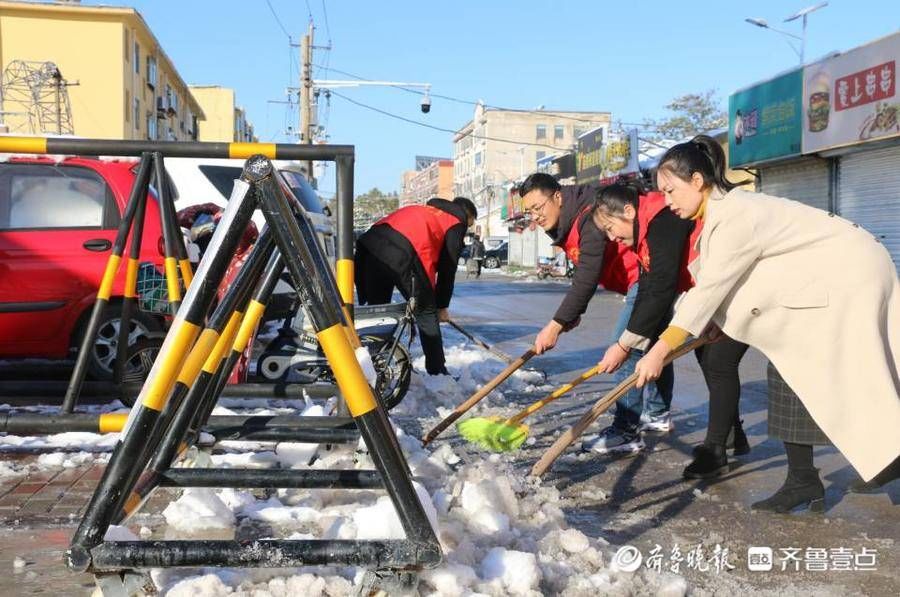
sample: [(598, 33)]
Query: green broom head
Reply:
[(493, 433)]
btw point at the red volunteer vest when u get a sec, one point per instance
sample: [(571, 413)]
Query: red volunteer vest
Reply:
[(649, 207), (620, 265), (693, 250), (425, 227)]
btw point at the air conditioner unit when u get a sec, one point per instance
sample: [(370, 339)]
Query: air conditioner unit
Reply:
[(162, 106)]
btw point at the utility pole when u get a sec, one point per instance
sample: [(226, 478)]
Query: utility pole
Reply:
[(306, 87)]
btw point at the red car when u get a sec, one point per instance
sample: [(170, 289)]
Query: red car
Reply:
[(58, 220)]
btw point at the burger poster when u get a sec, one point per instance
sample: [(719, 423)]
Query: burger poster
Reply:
[(852, 98)]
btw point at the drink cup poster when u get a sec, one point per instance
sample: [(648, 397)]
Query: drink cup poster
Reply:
[(852, 98)]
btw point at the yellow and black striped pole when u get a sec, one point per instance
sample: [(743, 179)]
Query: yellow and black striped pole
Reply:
[(195, 376), (345, 242), (174, 149), (171, 235), (138, 190), (222, 370), (129, 294), (131, 454), (327, 317)]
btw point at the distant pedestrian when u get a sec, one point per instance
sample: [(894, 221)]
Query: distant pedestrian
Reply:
[(476, 257)]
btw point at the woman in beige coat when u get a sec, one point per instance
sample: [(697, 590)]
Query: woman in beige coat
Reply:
[(815, 293)]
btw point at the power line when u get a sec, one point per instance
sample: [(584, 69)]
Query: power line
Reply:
[(506, 109), (438, 128), (280, 24), (327, 28), (309, 11)]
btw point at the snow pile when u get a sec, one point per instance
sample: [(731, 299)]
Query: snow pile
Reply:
[(470, 369), (69, 459), (501, 534), (199, 509), (91, 442)]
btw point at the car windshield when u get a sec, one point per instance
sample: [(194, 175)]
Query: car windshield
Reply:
[(302, 191)]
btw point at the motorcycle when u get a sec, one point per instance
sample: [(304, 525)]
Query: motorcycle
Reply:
[(547, 268), (294, 355)]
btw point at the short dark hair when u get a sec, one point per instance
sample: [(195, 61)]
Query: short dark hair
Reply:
[(467, 206), (540, 181)]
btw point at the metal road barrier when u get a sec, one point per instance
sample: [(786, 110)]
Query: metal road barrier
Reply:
[(151, 164), (172, 406)]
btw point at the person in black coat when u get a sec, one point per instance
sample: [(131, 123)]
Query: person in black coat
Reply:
[(416, 250)]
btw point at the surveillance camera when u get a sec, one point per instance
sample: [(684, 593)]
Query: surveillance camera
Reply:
[(426, 105)]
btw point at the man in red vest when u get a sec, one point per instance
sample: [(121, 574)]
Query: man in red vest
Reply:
[(565, 215), (416, 250)]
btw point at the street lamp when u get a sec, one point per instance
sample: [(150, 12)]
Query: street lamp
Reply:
[(425, 105), (801, 13)]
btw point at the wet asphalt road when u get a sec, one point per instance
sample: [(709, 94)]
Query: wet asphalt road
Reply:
[(642, 500)]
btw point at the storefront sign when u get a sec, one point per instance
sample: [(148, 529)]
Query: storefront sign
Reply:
[(852, 98), (765, 121), (596, 159)]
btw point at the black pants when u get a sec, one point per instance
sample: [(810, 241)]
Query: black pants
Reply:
[(719, 362), (375, 283)]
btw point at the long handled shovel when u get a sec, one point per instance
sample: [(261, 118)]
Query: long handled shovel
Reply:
[(503, 435), (601, 406), (479, 342), (477, 396)]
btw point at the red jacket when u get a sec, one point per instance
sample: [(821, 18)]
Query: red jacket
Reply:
[(648, 208), (425, 227), (620, 265)]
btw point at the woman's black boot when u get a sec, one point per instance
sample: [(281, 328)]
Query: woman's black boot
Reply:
[(709, 461), (737, 439), (803, 487)]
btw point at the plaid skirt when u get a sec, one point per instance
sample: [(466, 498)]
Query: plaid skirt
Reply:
[(789, 420)]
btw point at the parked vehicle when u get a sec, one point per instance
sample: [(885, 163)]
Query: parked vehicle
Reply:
[(547, 268), (496, 256), (210, 180), (58, 220), (295, 354)]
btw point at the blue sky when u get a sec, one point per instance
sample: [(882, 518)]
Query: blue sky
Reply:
[(629, 58)]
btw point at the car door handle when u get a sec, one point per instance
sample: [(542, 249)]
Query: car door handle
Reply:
[(97, 244)]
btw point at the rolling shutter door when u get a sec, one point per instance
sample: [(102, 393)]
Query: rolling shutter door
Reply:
[(806, 180), (869, 194)]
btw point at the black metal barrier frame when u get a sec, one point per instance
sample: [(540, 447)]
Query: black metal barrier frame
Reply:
[(132, 227), (151, 154), (184, 383)]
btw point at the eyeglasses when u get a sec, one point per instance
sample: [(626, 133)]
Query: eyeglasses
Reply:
[(536, 210)]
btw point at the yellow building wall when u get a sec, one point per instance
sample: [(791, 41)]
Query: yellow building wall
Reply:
[(87, 51), (218, 107)]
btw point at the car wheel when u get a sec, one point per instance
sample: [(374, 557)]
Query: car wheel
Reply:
[(492, 263), (141, 356), (103, 355)]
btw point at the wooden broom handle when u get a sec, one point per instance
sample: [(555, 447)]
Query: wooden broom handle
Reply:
[(599, 407), (557, 393), (477, 396), (479, 342)]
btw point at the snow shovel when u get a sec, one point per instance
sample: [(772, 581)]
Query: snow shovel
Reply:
[(504, 435), (478, 341), (477, 396), (601, 406)]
